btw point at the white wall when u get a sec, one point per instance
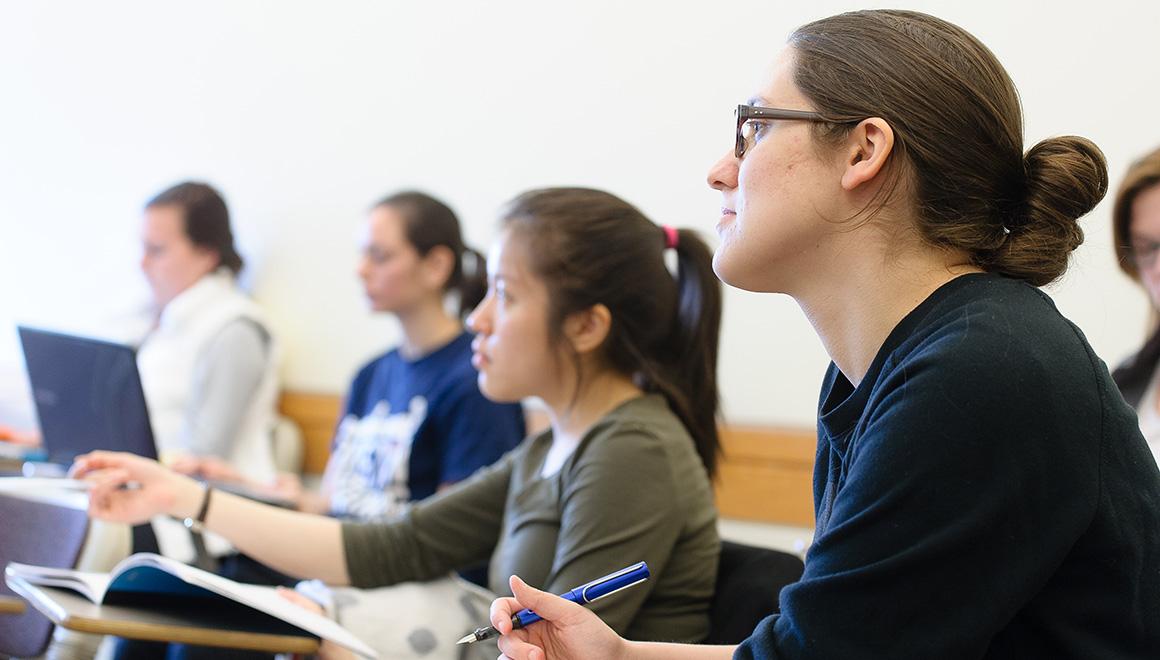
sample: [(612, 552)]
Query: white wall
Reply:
[(305, 113)]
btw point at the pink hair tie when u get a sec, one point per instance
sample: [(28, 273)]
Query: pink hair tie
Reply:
[(671, 237)]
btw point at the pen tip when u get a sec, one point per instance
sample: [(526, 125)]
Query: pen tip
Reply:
[(467, 639)]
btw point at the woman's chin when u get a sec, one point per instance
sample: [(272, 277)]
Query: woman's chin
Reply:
[(727, 270)]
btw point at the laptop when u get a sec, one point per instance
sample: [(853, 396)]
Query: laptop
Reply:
[(87, 394)]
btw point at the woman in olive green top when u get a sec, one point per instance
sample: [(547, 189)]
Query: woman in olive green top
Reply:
[(633, 490), (582, 313)]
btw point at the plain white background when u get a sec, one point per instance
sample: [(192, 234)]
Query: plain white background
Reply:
[(304, 113)]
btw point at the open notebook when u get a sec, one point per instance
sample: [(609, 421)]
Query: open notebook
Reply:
[(148, 580)]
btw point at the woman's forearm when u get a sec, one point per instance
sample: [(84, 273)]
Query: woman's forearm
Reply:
[(662, 651), (298, 544)]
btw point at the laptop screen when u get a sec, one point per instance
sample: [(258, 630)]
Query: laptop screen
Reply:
[(88, 395)]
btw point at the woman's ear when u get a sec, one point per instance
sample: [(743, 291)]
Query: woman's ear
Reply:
[(438, 264), (208, 259), (868, 147), (587, 329)]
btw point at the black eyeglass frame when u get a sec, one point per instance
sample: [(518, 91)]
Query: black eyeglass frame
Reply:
[(746, 112)]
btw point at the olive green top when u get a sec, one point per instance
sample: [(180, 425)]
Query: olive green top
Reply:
[(634, 490)]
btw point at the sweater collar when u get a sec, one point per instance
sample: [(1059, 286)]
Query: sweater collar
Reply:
[(844, 404), (187, 303)]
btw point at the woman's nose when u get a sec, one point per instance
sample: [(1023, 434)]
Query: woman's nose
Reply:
[(478, 320), (723, 173)]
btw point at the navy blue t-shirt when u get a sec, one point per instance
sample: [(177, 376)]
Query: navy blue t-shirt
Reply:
[(984, 492), (410, 426)]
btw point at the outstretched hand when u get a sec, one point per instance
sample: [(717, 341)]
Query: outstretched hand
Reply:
[(568, 631), (130, 489)]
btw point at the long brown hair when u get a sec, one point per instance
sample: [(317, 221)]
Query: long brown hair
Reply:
[(591, 247), (958, 131)]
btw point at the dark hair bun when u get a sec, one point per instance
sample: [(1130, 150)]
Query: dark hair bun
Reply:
[(1065, 178)]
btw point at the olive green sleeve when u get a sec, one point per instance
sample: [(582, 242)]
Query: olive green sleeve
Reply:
[(451, 530)]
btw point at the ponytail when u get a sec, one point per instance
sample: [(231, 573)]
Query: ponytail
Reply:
[(688, 357), (472, 280)]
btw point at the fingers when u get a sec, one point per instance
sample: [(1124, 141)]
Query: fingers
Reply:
[(519, 649), (187, 465), (104, 481), (97, 460), (299, 600), (502, 610), (549, 606)]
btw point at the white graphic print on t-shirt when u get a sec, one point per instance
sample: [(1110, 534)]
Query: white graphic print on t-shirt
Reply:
[(367, 475)]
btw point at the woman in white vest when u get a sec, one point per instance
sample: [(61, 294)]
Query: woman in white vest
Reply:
[(208, 367)]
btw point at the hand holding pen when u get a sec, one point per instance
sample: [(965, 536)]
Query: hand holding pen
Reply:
[(586, 593)]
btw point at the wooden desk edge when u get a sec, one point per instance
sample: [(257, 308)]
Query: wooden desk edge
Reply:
[(246, 641), (10, 605)]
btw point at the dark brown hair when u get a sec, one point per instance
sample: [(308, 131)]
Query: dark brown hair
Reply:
[(207, 220), (591, 247), (429, 223), (958, 130), (1142, 175)]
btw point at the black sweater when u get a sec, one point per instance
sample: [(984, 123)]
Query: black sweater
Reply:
[(983, 493)]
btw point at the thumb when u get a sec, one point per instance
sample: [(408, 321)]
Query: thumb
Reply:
[(550, 607)]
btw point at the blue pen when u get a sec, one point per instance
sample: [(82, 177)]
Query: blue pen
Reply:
[(593, 591)]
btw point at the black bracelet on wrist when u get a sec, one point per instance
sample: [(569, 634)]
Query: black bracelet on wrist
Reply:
[(198, 523)]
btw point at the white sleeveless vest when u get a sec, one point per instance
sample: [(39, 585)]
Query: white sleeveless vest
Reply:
[(168, 360), (171, 353)]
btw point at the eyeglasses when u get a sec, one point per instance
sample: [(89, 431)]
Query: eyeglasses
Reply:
[(747, 129), (1143, 252)]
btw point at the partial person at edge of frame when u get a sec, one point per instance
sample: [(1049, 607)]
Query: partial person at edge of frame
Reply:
[(1136, 230)]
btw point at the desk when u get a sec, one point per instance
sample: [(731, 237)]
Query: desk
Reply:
[(10, 605), (65, 493), (164, 624)]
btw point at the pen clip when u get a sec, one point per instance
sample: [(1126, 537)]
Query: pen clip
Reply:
[(618, 581)]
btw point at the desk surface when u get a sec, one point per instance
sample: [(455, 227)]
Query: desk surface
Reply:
[(10, 605), (189, 625), (58, 492)]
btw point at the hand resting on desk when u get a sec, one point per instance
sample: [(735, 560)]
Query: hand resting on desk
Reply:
[(287, 490)]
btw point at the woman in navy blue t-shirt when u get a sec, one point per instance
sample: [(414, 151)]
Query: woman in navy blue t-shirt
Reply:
[(415, 420)]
